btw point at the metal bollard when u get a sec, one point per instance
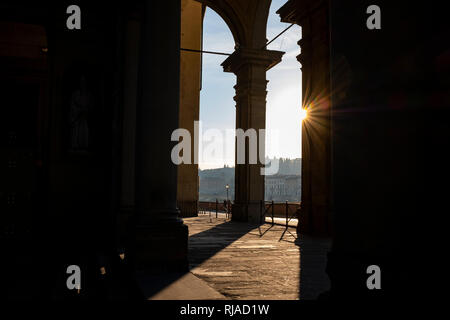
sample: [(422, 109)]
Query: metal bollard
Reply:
[(287, 214), (260, 211), (217, 208), (273, 206)]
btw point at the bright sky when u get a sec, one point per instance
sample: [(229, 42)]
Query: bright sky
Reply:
[(217, 107)]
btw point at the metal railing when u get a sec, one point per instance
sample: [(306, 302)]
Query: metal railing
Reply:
[(287, 210), (208, 207), (269, 207)]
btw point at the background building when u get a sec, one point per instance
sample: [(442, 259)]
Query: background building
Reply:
[(283, 186)]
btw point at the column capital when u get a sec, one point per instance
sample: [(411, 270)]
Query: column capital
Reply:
[(297, 11), (248, 56)]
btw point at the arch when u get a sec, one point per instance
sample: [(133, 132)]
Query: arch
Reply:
[(260, 27), (227, 13), (216, 102)]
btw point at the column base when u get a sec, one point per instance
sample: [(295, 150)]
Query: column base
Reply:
[(315, 220), (161, 246), (244, 212), (188, 209)]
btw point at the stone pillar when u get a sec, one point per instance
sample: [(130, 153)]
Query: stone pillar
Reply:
[(312, 16), (190, 85), (250, 66), (130, 79), (160, 236)]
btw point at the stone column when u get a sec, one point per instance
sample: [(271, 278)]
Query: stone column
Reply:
[(190, 82), (312, 16), (130, 79), (160, 236), (250, 66)]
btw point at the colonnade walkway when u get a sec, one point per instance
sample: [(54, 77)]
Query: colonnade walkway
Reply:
[(241, 261)]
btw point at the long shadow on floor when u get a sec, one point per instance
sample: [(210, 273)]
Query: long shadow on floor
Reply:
[(202, 246), (205, 244)]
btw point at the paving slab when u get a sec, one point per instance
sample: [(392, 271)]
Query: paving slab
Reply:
[(179, 287), (247, 262)]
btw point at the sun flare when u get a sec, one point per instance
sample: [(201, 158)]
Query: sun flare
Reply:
[(303, 114)]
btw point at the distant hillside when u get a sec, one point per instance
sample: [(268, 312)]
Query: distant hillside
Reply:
[(213, 182)]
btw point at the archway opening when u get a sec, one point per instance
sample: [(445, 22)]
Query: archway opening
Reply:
[(284, 113), (211, 238), (217, 114)]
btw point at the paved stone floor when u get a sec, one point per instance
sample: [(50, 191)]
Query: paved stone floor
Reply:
[(247, 262)]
